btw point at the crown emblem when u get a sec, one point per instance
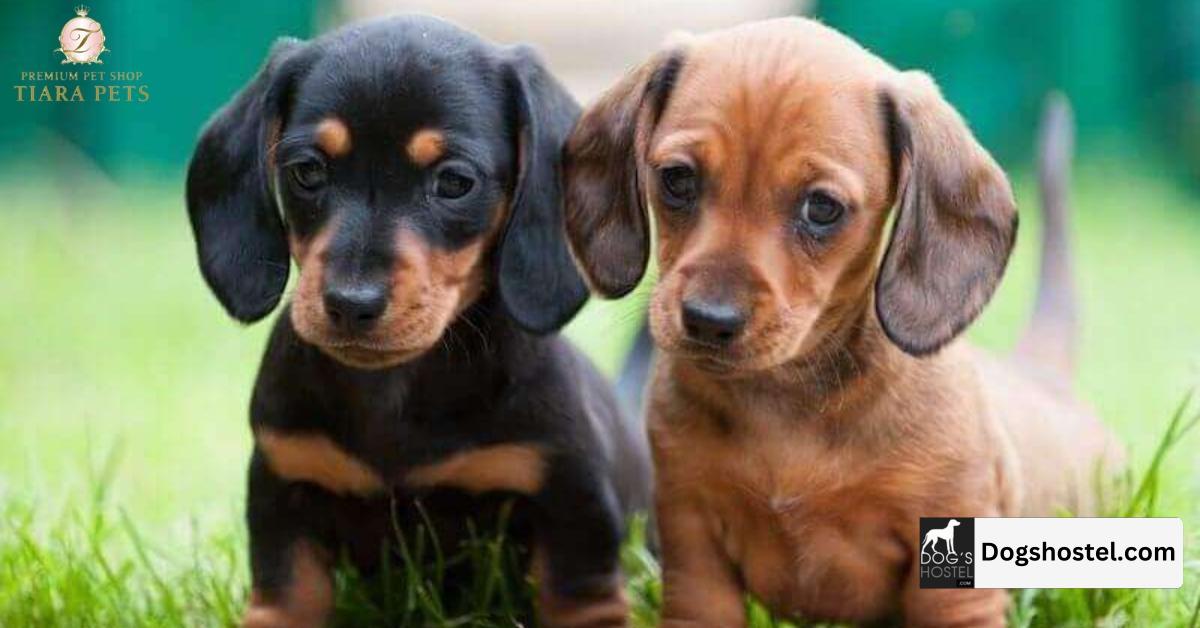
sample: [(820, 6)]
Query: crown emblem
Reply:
[(81, 39)]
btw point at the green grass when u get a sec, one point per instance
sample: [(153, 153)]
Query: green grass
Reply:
[(123, 393), (1137, 495), (90, 567)]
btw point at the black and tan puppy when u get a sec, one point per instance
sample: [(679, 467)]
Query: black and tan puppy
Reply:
[(411, 171)]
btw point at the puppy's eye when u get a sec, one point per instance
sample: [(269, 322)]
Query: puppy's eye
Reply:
[(309, 175), (821, 210), (452, 184), (680, 186)]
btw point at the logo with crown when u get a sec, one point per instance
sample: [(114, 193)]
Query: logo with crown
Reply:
[(81, 39)]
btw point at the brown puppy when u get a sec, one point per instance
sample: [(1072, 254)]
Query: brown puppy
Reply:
[(810, 403)]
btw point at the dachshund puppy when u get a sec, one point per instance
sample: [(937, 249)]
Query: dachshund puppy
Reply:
[(411, 171), (810, 403)]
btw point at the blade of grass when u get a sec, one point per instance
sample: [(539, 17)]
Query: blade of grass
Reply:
[(1146, 496), (1195, 622)]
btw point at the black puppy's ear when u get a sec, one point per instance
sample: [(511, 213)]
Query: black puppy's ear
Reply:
[(538, 282), (607, 221), (956, 226), (235, 219)]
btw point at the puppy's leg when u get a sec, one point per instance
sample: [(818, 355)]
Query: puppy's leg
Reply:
[(289, 568), (575, 562), (953, 608), (700, 587)]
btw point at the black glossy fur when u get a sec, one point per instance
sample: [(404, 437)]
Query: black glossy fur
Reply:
[(499, 374)]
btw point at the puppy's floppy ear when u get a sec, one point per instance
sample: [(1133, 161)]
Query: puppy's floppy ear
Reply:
[(538, 283), (607, 221), (230, 197), (956, 225)]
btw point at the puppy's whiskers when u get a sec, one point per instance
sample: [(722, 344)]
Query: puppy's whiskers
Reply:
[(466, 318)]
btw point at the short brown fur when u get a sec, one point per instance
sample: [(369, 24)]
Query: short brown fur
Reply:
[(795, 462)]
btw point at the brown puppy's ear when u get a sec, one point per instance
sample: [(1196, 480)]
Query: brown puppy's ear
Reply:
[(607, 222), (956, 225)]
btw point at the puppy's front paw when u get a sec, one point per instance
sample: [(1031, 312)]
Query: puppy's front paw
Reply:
[(608, 609), (261, 613), (265, 616)]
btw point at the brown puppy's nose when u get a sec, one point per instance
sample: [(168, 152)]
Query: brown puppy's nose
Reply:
[(355, 307), (715, 323)]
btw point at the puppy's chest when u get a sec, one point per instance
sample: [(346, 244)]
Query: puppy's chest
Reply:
[(386, 449), (810, 522)]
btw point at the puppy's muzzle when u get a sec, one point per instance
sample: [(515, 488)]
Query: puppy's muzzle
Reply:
[(714, 322), (354, 307), (715, 306)]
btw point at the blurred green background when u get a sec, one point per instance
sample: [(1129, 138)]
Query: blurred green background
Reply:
[(122, 380)]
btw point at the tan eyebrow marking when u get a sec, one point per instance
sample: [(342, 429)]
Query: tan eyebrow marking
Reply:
[(333, 136), (511, 467), (316, 459), (426, 146)]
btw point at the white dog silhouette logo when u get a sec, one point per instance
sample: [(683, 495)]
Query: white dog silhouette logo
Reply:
[(946, 534), (947, 556)]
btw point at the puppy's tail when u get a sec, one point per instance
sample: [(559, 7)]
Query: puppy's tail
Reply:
[(1052, 336), (631, 384)]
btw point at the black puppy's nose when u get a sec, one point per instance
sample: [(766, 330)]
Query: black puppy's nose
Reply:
[(355, 307), (712, 322)]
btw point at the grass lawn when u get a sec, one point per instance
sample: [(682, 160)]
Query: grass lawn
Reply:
[(123, 393)]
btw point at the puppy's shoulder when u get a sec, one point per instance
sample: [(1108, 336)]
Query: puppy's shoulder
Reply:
[(284, 372)]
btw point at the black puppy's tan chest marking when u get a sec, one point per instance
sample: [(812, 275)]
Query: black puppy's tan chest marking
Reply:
[(512, 467), (315, 458)]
